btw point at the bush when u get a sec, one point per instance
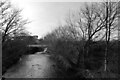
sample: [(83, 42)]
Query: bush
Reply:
[(66, 54), (97, 53), (12, 50)]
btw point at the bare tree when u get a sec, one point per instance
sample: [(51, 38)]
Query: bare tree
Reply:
[(108, 14), (111, 18), (11, 22), (93, 20), (63, 32), (88, 23)]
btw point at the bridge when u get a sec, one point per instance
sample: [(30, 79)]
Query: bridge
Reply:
[(35, 45), (38, 48)]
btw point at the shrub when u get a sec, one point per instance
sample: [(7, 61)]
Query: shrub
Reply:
[(12, 50), (66, 54)]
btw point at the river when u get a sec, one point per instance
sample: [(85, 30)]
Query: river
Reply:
[(33, 66)]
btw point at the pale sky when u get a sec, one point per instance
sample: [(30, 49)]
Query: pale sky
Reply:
[(46, 16)]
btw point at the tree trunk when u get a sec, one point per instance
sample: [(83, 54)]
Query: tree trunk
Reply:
[(79, 58), (106, 50), (3, 38), (105, 61)]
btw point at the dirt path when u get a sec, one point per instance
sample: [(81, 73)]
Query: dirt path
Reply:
[(33, 66)]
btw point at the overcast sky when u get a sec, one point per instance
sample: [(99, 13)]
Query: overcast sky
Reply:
[(46, 16)]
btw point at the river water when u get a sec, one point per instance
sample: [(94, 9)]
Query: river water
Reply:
[(33, 66)]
